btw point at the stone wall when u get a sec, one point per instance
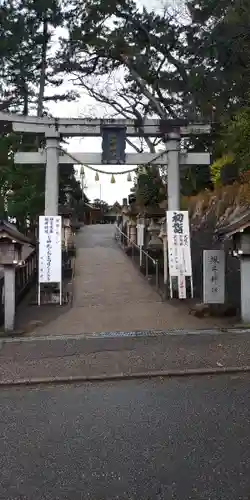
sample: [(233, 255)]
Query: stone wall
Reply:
[(203, 238), (208, 212)]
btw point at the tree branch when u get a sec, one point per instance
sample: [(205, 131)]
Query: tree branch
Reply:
[(100, 97)]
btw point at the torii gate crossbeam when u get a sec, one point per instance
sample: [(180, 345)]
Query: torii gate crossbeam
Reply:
[(53, 129), (89, 127)]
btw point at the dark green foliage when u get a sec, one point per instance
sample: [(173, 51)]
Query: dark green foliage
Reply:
[(198, 69), (149, 188), (27, 68)]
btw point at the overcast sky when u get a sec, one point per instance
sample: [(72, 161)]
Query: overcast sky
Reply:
[(87, 107)]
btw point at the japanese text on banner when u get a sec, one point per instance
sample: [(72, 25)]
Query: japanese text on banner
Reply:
[(179, 243), (50, 258)]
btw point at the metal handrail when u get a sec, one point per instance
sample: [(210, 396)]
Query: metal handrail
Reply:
[(139, 248), (143, 252)]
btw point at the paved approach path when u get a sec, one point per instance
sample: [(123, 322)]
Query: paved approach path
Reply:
[(111, 295), (132, 440)]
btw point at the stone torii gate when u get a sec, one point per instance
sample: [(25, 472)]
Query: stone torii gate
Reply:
[(54, 129)]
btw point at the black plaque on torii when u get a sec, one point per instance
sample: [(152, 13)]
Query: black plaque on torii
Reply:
[(113, 144)]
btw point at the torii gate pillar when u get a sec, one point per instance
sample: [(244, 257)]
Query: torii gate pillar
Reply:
[(52, 173), (173, 151)]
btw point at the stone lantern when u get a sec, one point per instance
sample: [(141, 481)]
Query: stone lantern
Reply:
[(163, 229), (163, 236), (10, 251), (68, 194), (132, 231), (154, 230), (67, 235), (11, 245)]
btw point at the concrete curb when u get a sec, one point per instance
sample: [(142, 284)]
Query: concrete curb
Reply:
[(19, 338), (124, 376)]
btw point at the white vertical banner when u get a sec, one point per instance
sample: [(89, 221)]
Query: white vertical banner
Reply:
[(140, 239), (179, 250), (50, 249), (140, 235)]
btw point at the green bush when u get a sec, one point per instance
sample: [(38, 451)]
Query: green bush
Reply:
[(218, 165)]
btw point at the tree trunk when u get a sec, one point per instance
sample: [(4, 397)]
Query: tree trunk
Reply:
[(42, 81)]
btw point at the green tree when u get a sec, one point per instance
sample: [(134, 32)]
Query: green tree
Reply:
[(27, 83), (219, 50), (103, 205), (148, 46), (27, 61), (237, 138), (148, 189), (234, 152)]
